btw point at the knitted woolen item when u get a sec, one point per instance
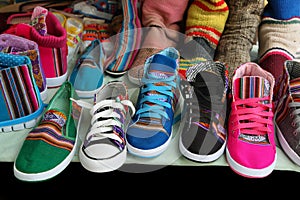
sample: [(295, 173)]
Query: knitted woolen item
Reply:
[(206, 21), (282, 9), (239, 34), (282, 34)]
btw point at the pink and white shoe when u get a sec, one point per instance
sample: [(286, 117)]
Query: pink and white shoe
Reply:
[(251, 148)]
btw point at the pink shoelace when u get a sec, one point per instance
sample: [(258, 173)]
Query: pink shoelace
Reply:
[(253, 116)]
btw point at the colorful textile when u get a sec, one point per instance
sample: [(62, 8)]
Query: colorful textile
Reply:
[(21, 46), (20, 98), (127, 41), (206, 19), (52, 47)]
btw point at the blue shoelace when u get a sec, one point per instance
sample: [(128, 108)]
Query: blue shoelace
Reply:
[(160, 100)]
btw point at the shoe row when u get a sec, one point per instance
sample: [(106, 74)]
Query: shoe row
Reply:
[(215, 119), (239, 120)]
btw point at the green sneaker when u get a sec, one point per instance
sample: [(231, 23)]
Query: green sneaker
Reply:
[(50, 146)]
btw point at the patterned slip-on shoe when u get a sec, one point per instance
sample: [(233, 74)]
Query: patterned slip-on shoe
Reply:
[(87, 75), (50, 146), (20, 100), (104, 148)]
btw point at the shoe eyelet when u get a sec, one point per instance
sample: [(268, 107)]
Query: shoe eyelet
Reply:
[(295, 133), (291, 116), (293, 124)]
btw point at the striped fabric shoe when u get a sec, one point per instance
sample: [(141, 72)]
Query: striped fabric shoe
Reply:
[(20, 101), (150, 132), (287, 112), (204, 125), (127, 41), (50, 146), (251, 148), (21, 46)]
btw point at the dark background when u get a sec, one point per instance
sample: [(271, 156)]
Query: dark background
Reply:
[(201, 182)]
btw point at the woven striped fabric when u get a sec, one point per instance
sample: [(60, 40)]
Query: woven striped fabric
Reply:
[(21, 46), (127, 40), (18, 95), (50, 131), (252, 86)]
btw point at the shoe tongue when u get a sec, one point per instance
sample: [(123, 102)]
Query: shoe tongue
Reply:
[(162, 67), (251, 87), (197, 73), (295, 89), (294, 74), (55, 117)]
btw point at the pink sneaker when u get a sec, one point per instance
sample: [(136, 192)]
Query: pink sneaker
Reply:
[(251, 148)]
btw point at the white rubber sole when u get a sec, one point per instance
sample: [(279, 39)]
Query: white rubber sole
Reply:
[(201, 158), (102, 165), (149, 153), (249, 172), (57, 81)]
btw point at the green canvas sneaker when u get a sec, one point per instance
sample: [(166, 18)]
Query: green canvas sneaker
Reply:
[(50, 146)]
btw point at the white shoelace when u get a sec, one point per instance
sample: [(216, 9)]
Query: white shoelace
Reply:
[(101, 128)]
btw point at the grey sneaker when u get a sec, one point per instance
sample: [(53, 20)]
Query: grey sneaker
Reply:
[(287, 115), (104, 148)]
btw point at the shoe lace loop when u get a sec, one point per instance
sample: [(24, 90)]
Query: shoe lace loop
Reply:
[(104, 117), (154, 105), (253, 116), (296, 112)]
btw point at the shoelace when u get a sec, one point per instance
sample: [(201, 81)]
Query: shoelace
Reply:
[(252, 116), (158, 102), (104, 117), (296, 112), (192, 101)]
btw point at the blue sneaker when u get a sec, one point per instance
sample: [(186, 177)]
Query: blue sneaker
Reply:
[(87, 75), (20, 101), (150, 132)]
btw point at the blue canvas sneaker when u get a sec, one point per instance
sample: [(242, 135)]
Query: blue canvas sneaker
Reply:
[(150, 132)]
